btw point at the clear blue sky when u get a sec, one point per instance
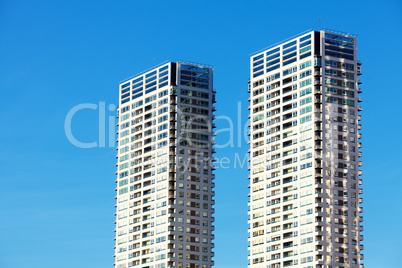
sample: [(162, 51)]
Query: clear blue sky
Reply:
[(57, 201)]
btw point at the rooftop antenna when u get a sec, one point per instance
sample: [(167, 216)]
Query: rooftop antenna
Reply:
[(319, 23)]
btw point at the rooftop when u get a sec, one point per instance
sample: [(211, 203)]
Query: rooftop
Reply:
[(281, 42), (163, 63), (143, 72), (300, 34), (339, 33)]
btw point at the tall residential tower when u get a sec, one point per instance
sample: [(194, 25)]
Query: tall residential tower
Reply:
[(304, 135), (164, 202)]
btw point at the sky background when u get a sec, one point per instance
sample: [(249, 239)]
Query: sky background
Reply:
[(57, 200)]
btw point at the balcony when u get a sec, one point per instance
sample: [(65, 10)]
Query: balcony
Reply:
[(359, 69), (288, 245), (287, 107), (317, 90), (317, 101), (287, 81), (287, 116), (287, 235), (287, 125), (288, 263), (286, 90), (286, 99)]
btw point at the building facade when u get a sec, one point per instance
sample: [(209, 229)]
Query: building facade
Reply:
[(305, 186), (164, 201)]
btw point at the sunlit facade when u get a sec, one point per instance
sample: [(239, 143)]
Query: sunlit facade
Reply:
[(164, 201), (305, 186)]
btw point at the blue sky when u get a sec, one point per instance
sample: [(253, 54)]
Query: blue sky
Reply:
[(57, 201)]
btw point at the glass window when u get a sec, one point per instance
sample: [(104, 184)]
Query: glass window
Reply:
[(305, 38), (272, 51), (289, 44), (150, 74)]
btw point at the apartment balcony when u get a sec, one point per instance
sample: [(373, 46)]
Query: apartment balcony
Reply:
[(287, 125), (287, 263), (286, 90), (275, 112), (319, 230), (319, 239), (317, 82), (287, 116), (317, 100), (319, 211), (359, 82), (288, 254), (287, 98), (318, 156), (274, 95), (148, 108), (287, 108), (317, 90), (359, 99)]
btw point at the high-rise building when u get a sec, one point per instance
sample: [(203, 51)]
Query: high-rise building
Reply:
[(164, 202), (305, 204)]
